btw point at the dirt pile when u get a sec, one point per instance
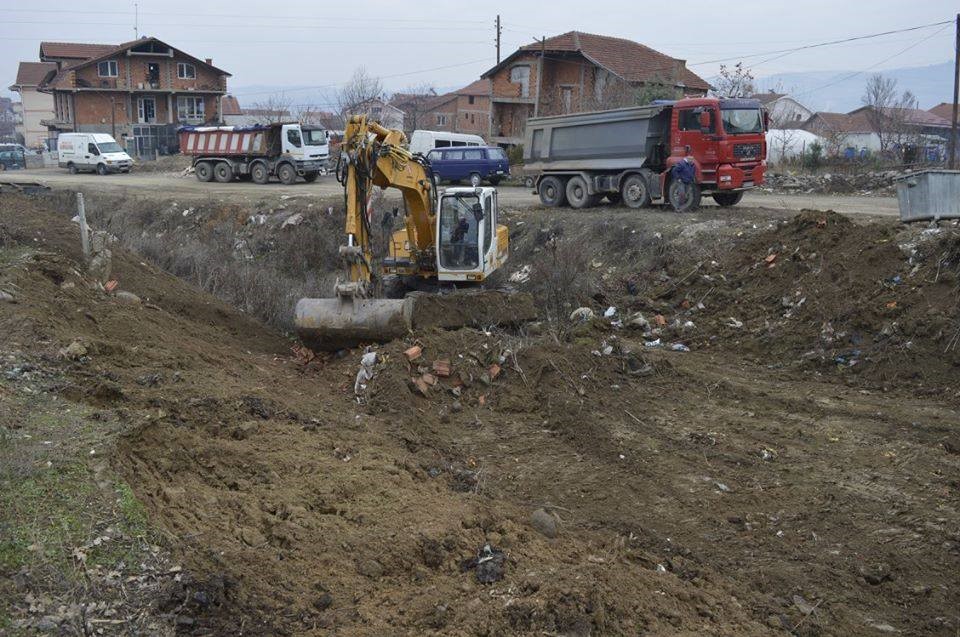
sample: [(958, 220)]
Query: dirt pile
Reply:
[(861, 299), (879, 183)]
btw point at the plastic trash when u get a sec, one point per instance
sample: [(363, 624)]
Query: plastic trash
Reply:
[(610, 311), (679, 347)]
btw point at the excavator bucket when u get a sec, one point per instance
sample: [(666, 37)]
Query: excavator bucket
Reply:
[(333, 324)]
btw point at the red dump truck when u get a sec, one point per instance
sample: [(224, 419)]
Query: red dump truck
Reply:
[(630, 154), (285, 150)]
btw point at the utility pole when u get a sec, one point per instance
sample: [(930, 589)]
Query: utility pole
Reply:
[(499, 30), (952, 160)]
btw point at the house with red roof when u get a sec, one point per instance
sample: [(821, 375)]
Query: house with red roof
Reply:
[(576, 72), (139, 91), (466, 110)]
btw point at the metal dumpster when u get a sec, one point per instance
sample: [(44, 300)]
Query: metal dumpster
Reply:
[(929, 194)]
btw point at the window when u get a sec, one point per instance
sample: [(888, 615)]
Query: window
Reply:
[(186, 71), (521, 75), (190, 109), (92, 149), (473, 155), (740, 121), (455, 155), (488, 224), (293, 136), (442, 143), (107, 69), (496, 153), (566, 98), (689, 119), (146, 110), (459, 232), (470, 99), (441, 119)]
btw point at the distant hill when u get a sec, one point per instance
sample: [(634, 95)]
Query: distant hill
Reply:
[(931, 84)]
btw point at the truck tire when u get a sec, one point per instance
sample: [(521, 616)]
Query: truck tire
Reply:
[(727, 198), (223, 172), (259, 173), (683, 197), (287, 174), (635, 191), (203, 170), (101, 169), (310, 177), (552, 192), (577, 193), (475, 179)]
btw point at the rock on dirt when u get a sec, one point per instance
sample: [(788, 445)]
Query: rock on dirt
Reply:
[(544, 523)]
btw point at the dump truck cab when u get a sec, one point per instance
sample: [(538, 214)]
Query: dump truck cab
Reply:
[(725, 138)]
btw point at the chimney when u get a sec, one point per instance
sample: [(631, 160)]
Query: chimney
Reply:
[(209, 61)]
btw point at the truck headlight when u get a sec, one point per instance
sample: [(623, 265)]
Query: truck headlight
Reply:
[(726, 178)]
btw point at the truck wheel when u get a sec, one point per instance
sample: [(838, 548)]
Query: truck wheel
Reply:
[(72, 167), (101, 169), (223, 172), (311, 177), (287, 174), (552, 192), (727, 198), (577, 193), (259, 173), (528, 182), (203, 170), (475, 179), (635, 191), (683, 197)]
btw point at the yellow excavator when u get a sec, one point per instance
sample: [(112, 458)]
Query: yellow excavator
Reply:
[(450, 241)]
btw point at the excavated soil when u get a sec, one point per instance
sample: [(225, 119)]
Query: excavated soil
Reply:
[(622, 489)]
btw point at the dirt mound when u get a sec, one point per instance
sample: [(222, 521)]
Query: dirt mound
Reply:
[(865, 300)]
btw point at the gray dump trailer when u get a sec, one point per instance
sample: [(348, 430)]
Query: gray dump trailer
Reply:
[(628, 153)]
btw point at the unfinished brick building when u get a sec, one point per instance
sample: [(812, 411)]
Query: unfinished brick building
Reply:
[(579, 72), (139, 91)]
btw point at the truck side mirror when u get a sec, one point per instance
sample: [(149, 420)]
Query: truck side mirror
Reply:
[(704, 121)]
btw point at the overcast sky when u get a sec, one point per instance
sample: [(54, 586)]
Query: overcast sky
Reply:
[(311, 43)]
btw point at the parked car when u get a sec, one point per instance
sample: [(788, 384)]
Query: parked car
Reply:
[(12, 160), (423, 141), (484, 163), (95, 152)]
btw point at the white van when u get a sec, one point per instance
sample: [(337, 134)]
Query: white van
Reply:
[(95, 152), (423, 141)]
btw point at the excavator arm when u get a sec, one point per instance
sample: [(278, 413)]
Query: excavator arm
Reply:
[(376, 156)]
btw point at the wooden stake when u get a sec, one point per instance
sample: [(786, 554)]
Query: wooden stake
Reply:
[(84, 238)]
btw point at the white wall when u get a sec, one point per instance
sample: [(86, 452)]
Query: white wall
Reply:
[(36, 107), (787, 110)]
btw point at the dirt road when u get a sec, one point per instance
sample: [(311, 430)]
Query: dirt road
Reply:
[(167, 185)]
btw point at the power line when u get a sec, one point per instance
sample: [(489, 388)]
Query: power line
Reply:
[(875, 65), (247, 16), (248, 26), (382, 77)]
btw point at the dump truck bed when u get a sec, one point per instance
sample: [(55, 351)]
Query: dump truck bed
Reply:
[(226, 141), (616, 139)]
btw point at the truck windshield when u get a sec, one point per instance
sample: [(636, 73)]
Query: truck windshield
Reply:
[(740, 121), (316, 137), (109, 147)]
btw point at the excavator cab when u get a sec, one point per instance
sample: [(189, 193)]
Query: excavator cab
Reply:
[(467, 242)]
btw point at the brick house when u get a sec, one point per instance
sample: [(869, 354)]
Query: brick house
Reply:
[(139, 91), (466, 110), (577, 72)]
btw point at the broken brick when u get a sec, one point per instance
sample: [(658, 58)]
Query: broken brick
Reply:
[(429, 379), (418, 385), (770, 258), (441, 368), (111, 285), (413, 353), (493, 371), (660, 320)]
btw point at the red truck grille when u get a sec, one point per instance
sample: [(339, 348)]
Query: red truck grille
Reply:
[(746, 151)]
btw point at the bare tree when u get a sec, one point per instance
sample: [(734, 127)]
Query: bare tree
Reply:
[(360, 88), (888, 113), (734, 82), (416, 102), (273, 109)]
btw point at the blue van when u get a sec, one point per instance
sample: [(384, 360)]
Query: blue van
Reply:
[(473, 163)]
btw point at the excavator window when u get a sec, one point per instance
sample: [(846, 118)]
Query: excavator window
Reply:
[(460, 218)]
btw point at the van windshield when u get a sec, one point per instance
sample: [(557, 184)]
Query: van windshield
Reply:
[(109, 147)]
